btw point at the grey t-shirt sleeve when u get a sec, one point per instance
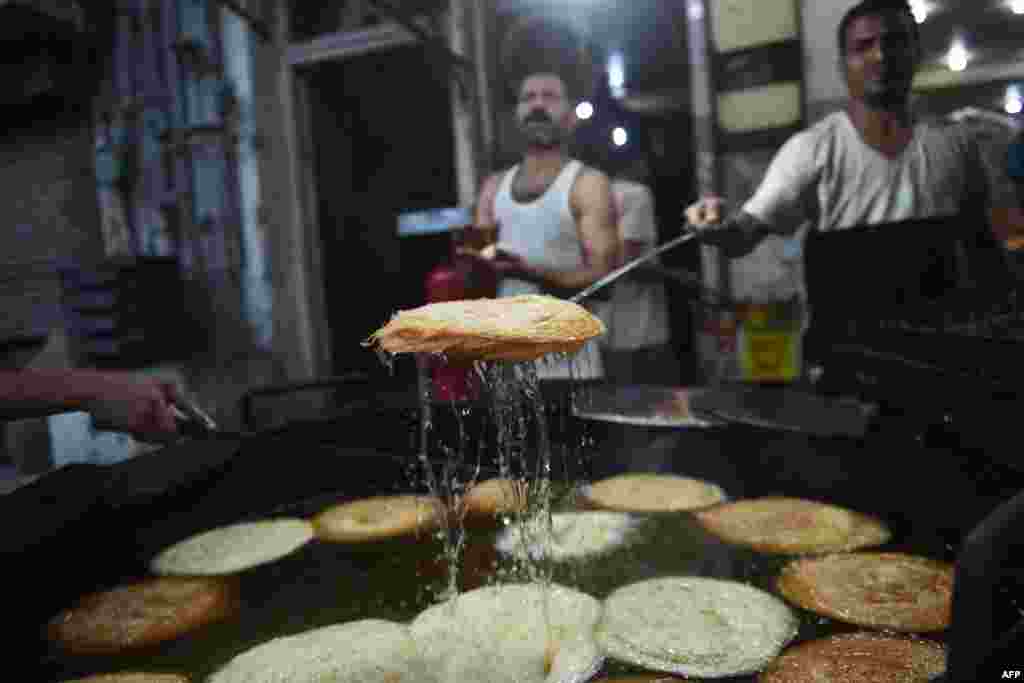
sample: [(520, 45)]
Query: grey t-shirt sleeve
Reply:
[(637, 223), (988, 172), (787, 195)]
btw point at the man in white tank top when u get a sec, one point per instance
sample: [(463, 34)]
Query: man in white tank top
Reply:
[(553, 215)]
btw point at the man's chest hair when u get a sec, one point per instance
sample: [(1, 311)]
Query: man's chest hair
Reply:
[(526, 189)]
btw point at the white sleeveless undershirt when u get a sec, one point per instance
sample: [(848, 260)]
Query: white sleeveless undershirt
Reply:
[(544, 233)]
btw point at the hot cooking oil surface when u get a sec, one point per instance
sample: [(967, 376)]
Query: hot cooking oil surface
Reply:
[(327, 583)]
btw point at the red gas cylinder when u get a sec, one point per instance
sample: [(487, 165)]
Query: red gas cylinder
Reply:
[(447, 282), (457, 280)]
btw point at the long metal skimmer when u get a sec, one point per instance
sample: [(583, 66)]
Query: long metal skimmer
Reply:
[(619, 272)]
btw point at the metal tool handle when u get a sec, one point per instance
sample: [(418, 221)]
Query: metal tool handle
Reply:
[(188, 412), (619, 272)]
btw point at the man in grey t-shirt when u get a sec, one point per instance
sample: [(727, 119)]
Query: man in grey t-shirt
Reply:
[(871, 162)]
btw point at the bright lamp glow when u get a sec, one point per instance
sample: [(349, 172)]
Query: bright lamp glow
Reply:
[(921, 9), (584, 110), (620, 137), (1017, 6), (617, 74), (958, 56), (1014, 100)]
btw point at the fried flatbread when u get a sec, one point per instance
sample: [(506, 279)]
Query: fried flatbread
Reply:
[(878, 590), (500, 634), (793, 526), (517, 328), (859, 658), (571, 535), (142, 614), (495, 497), (643, 492), (377, 518), (131, 678), (694, 626), (353, 652), (234, 548)]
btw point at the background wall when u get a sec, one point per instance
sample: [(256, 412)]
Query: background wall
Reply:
[(51, 216), (159, 159)]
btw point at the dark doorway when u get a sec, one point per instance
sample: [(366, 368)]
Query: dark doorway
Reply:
[(383, 144)]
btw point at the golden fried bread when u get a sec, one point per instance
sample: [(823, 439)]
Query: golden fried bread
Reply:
[(518, 328), (645, 492), (793, 526), (142, 614), (495, 497), (859, 658), (878, 590), (377, 518)]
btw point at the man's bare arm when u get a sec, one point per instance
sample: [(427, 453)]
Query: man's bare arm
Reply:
[(484, 217), (738, 234), (116, 400), (37, 393), (784, 201), (591, 201)]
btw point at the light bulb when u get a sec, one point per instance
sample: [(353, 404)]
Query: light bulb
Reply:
[(584, 110), (617, 74), (920, 9), (1014, 103), (620, 137), (958, 56)]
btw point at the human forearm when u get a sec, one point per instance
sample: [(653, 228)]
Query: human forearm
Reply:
[(116, 400), (37, 393), (551, 279), (738, 235)]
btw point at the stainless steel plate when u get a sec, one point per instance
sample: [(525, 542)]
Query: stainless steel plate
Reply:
[(783, 408), (641, 405)]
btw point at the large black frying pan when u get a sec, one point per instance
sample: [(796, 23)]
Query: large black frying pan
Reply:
[(83, 527)]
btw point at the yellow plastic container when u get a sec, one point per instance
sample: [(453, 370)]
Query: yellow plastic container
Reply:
[(769, 341)]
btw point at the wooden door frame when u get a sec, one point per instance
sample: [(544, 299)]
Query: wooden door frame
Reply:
[(303, 332), (308, 338)]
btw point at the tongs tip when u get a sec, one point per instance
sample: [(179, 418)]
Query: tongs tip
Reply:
[(188, 411)]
